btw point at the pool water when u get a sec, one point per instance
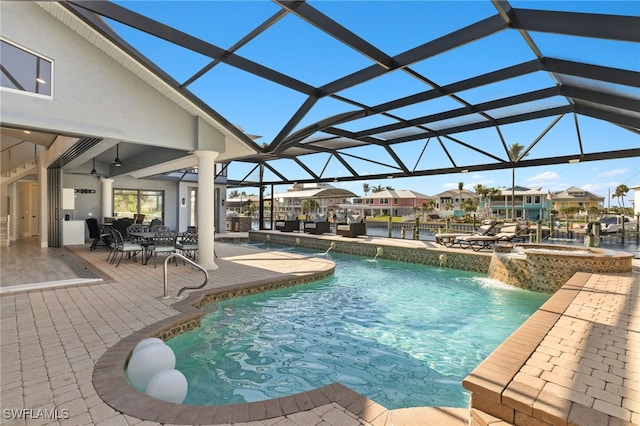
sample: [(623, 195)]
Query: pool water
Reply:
[(403, 335)]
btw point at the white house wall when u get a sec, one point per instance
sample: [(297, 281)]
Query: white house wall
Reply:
[(93, 94)]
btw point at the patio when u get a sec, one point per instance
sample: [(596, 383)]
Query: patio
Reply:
[(52, 339)]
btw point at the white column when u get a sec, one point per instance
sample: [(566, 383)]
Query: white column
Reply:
[(43, 200), (107, 198), (206, 206)]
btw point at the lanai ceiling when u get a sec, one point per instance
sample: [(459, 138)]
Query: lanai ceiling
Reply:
[(405, 89)]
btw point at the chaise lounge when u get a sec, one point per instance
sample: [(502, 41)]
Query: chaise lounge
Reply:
[(508, 234), (449, 239), (351, 230)]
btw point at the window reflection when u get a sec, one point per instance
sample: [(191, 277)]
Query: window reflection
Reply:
[(24, 71)]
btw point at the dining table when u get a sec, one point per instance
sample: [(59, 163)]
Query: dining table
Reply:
[(145, 239)]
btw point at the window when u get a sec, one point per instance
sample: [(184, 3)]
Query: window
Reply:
[(24, 71), (220, 169), (127, 202), (384, 201)]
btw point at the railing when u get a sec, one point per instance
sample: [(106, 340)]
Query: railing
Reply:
[(166, 279), (18, 155)]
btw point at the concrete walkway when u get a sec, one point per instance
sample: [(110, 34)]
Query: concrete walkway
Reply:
[(53, 337)]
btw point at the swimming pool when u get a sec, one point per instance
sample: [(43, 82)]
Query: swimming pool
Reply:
[(401, 334)]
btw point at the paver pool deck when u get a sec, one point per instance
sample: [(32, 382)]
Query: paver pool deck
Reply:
[(577, 361)]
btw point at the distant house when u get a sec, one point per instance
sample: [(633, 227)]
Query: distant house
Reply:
[(636, 200), (326, 197), (241, 203), (576, 197), (452, 199), (400, 202), (528, 203)]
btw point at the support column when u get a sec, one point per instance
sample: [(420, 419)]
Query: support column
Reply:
[(107, 198), (43, 201), (206, 208)]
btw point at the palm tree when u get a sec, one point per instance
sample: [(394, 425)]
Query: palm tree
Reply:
[(621, 192), (515, 150), (492, 192), (365, 188), (481, 191), (460, 186), (378, 188), (310, 205)]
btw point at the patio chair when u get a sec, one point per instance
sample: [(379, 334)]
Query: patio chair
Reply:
[(449, 239), (188, 244), (98, 235), (120, 245), (121, 226), (161, 242), (288, 225), (317, 228), (351, 230), (508, 234), (156, 222)]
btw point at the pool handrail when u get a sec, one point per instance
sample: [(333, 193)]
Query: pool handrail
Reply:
[(166, 278)]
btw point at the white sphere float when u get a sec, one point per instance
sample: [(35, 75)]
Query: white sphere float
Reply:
[(144, 342), (147, 361), (168, 385)]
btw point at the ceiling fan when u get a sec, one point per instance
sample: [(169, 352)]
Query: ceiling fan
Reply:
[(93, 171)]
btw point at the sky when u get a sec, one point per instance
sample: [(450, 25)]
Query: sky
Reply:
[(297, 50)]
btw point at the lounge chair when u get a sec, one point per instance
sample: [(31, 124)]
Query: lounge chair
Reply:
[(449, 239), (508, 234), (317, 228), (351, 230)]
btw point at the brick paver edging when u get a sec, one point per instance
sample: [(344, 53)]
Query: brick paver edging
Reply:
[(493, 390), (112, 386)]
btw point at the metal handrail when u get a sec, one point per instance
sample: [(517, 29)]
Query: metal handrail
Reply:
[(166, 279)]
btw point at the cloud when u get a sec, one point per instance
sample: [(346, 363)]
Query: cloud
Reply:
[(450, 185), (614, 172), (600, 188), (544, 178)]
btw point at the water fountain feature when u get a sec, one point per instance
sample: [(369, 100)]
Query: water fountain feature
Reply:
[(546, 268), (331, 247), (379, 251)]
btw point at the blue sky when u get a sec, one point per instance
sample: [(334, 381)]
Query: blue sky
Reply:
[(293, 48)]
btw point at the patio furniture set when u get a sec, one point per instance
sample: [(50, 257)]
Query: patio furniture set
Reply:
[(125, 237), (350, 230)]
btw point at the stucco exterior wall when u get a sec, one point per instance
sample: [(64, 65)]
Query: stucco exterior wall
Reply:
[(93, 94)]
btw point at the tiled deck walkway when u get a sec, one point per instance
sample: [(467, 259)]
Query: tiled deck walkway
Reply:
[(53, 337)]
